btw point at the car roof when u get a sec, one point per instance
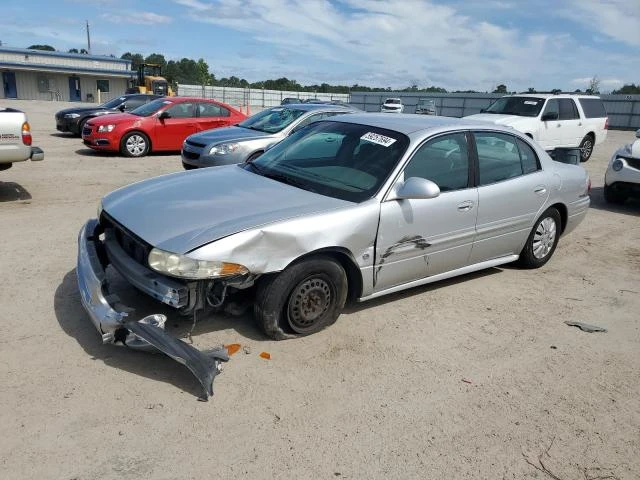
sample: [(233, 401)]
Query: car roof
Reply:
[(553, 95), (411, 123), (315, 106)]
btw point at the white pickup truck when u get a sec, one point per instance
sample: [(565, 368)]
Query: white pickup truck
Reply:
[(553, 120), (15, 139)]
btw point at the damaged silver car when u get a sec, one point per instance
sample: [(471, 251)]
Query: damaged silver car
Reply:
[(353, 207)]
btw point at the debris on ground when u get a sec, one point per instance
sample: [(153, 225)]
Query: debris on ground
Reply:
[(265, 355), (585, 327), (232, 348)]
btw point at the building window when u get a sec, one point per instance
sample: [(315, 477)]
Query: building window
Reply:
[(103, 85), (43, 84)]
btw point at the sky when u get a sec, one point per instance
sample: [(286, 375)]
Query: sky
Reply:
[(454, 44)]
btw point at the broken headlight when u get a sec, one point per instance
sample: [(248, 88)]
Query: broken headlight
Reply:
[(181, 266)]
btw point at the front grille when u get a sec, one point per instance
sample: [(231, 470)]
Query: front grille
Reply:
[(133, 245), (190, 155), (195, 144), (86, 130)]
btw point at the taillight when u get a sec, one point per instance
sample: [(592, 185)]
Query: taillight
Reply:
[(26, 134), (606, 123)]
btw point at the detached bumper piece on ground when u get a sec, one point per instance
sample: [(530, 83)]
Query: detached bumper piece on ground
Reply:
[(112, 320)]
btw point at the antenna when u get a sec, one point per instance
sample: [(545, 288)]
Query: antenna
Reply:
[(88, 38)]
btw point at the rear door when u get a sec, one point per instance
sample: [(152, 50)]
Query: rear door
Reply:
[(423, 237), (169, 133), (211, 115), (512, 189)]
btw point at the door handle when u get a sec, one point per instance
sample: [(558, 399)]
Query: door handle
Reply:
[(465, 206), (540, 190)]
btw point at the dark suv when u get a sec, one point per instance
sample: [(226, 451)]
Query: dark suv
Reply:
[(73, 119)]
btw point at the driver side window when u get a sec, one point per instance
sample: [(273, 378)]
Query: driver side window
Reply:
[(181, 110), (443, 160)]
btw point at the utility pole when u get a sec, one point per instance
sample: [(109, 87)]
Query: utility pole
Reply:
[(88, 39)]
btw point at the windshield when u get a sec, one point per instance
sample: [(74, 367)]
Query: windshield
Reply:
[(393, 100), (521, 106), (150, 108), (113, 103), (341, 160), (272, 120)]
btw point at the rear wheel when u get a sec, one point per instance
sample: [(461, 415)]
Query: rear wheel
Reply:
[(613, 196), (542, 240), (134, 144), (586, 147), (302, 299)]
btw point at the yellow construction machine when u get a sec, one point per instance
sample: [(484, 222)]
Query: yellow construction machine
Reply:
[(150, 81)]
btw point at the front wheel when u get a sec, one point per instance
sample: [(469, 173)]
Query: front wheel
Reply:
[(135, 144), (586, 148), (304, 298), (542, 240)]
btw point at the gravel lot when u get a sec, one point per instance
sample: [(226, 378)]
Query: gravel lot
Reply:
[(468, 378)]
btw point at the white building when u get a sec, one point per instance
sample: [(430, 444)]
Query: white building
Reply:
[(72, 77)]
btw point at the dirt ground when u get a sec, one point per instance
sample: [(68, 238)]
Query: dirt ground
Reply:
[(477, 377)]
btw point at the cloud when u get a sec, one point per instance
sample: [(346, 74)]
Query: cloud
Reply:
[(616, 19), (137, 18)]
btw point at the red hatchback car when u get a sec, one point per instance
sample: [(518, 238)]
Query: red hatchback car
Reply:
[(161, 125)]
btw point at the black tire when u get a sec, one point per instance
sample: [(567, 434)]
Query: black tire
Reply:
[(304, 298), (586, 147), (540, 246), (135, 144), (186, 166), (81, 125), (613, 196)]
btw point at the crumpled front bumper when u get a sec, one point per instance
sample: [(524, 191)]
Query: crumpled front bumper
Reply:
[(111, 318)]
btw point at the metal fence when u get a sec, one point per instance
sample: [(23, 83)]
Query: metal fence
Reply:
[(255, 97), (623, 110)]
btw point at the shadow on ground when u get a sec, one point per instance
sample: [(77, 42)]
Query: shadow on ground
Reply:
[(11, 192), (76, 323), (630, 207)]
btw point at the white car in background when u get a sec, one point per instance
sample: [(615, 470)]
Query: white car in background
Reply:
[(622, 179), (553, 120), (392, 105)]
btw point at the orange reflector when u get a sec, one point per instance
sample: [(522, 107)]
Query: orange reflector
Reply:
[(232, 348), (265, 355)]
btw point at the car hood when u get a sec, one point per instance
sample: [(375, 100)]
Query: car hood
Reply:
[(499, 119), (182, 211), (84, 110), (115, 118), (227, 134)]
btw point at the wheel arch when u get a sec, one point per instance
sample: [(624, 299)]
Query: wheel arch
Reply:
[(137, 130), (564, 215), (345, 258)]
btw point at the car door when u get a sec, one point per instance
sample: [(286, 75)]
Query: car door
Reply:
[(571, 125), (549, 133), (211, 116), (511, 191), (423, 237), (180, 122)]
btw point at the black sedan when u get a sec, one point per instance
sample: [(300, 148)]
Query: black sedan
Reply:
[(73, 119)]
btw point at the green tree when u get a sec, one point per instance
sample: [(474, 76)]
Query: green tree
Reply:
[(73, 50), (136, 59), (629, 89), (500, 89), (47, 48), (204, 77)]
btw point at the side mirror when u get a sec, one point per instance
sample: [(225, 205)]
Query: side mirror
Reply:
[(164, 115), (417, 188), (638, 133), (122, 107), (482, 110), (550, 116)]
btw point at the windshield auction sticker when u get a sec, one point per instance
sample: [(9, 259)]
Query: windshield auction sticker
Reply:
[(378, 139)]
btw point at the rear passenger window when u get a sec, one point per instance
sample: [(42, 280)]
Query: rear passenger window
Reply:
[(593, 107), (498, 157), (212, 110), (444, 161), (528, 158), (568, 109)]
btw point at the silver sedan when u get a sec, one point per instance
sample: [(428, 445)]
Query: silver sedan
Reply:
[(249, 139), (353, 207)]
